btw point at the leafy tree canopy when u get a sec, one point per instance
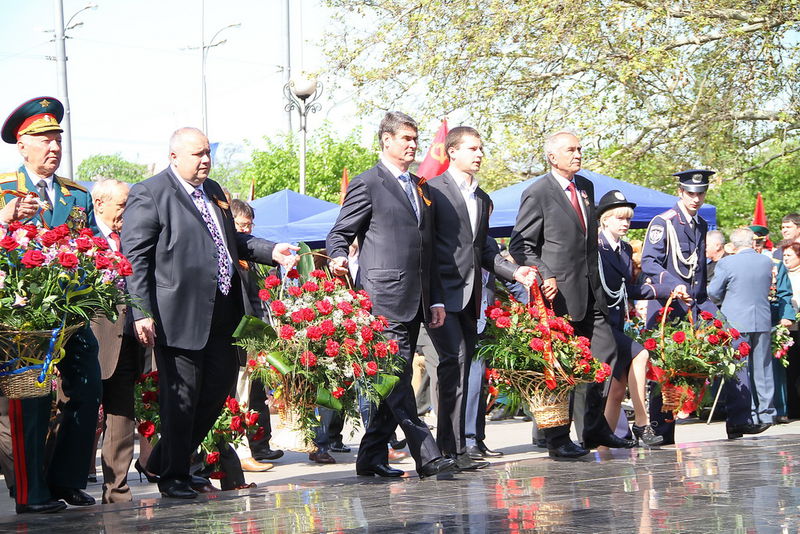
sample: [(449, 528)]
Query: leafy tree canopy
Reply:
[(277, 166), (111, 166)]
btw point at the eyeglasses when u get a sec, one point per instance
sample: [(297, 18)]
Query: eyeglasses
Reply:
[(244, 225)]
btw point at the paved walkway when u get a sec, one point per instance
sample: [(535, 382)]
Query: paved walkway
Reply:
[(705, 483)]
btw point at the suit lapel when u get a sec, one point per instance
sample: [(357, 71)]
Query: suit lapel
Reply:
[(187, 202), (560, 198), (614, 259), (394, 188), (458, 201)]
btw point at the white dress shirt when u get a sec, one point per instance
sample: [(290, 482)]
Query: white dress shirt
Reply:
[(106, 231), (564, 183), (396, 172), (51, 192), (467, 191)]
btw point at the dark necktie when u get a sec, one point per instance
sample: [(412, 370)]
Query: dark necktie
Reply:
[(573, 197), (115, 238), (409, 189), (41, 186), (223, 268)]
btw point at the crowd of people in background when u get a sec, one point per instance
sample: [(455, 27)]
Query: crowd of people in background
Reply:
[(422, 252)]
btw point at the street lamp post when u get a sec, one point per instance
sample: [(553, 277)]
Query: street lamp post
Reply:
[(303, 94), (61, 60), (204, 49)]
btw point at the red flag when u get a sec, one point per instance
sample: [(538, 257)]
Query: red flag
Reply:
[(760, 218), (436, 160), (343, 186), (253, 189)]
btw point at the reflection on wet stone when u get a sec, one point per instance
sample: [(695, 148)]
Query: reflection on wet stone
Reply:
[(748, 485)]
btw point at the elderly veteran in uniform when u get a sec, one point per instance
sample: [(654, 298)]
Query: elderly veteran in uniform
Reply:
[(34, 128)]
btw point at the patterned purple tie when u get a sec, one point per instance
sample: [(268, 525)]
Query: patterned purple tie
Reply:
[(223, 267)]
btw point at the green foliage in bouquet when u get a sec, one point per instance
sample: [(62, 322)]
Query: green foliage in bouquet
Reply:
[(146, 406), (232, 426), (323, 347)]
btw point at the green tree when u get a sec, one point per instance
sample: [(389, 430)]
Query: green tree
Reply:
[(277, 166), (111, 166), (710, 83)]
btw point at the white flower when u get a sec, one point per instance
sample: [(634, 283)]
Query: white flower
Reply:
[(3, 279), (20, 301)]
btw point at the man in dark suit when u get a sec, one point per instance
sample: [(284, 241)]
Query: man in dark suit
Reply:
[(463, 246), (180, 238), (34, 128), (392, 217), (121, 358), (556, 231)]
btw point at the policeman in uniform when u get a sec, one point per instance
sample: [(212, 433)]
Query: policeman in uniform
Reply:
[(674, 253), (34, 128)]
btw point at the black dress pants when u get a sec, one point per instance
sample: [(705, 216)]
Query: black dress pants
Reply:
[(193, 386)]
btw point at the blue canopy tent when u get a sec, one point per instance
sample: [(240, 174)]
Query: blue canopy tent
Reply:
[(649, 202), (281, 217)]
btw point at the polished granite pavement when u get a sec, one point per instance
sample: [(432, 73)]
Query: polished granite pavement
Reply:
[(746, 485)]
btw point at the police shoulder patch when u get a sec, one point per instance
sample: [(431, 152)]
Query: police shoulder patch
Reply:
[(669, 214), (655, 233)]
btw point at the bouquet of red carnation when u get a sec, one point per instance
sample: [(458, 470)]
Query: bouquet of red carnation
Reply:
[(686, 353), (234, 424), (323, 343), (146, 406), (539, 355), (52, 281)]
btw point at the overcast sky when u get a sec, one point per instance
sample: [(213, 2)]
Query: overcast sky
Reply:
[(133, 80)]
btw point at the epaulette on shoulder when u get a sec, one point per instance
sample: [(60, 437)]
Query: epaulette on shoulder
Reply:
[(74, 185), (7, 177), (669, 214)]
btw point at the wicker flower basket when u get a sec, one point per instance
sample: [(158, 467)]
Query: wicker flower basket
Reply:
[(28, 358), (550, 407), (671, 397)]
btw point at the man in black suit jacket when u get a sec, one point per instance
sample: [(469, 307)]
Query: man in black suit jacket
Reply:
[(463, 246), (180, 238), (391, 216), (556, 231)]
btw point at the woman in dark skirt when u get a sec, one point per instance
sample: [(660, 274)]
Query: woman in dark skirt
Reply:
[(616, 269)]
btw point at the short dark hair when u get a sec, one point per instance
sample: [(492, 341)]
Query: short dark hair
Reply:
[(793, 218), (239, 208), (457, 134), (393, 121)]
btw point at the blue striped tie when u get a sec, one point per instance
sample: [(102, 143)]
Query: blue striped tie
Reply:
[(409, 189)]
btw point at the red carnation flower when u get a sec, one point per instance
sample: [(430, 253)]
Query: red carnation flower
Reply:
[(272, 281), (366, 333), (32, 258), (331, 348), (310, 286), (496, 313), (364, 350), (356, 370), (308, 359), (294, 291), (324, 307), (337, 393), (372, 369), (380, 349), (346, 307), (308, 314), (212, 458), (350, 345), (293, 274), (318, 273), (394, 348), (297, 317), (365, 304), (67, 260), (679, 337), (328, 286), (537, 345), (277, 307), (503, 322), (263, 294), (286, 332), (350, 326), (147, 429), (650, 344)]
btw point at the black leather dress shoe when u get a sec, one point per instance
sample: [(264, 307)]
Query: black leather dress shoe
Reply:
[(465, 463), (609, 440), (568, 450), (73, 496), (474, 452), (338, 446), (486, 451), (48, 507), (437, 467), (321, 457), (267, 454), (398, 444), (176, 490), (381, 470), (736, 431)]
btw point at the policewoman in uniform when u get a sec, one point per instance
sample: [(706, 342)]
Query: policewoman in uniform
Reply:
[(34, 128), (616, 276)]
